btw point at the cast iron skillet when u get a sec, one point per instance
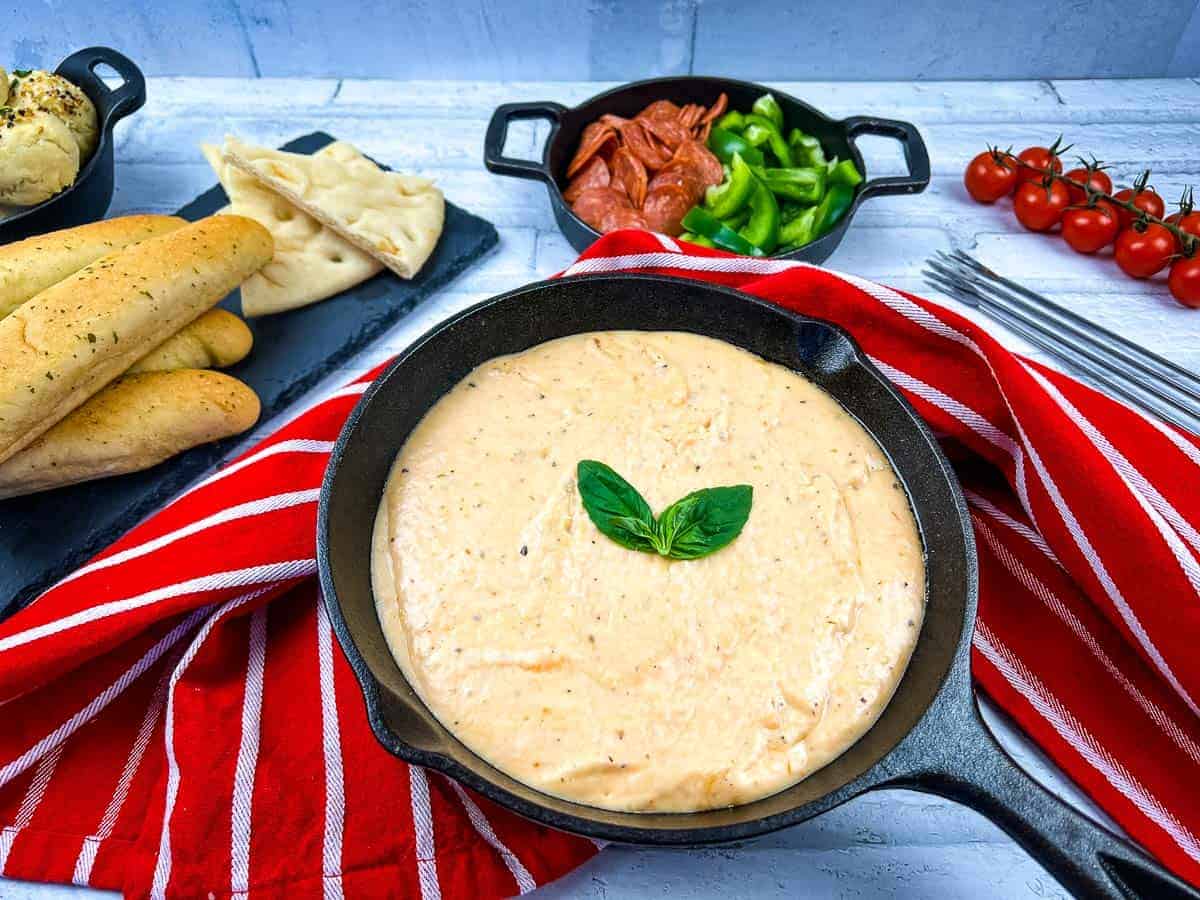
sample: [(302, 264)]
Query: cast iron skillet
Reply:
[(88, 198), (567, 125), (930, 736)]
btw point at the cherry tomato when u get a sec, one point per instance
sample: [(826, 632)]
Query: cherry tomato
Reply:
[(1039, 158), (1144, 198), (1039, 207), (990, 176), (1088, 228), (1141, 254), (1188, 222), (1096, 179), (1186, 205), (1184, 281)]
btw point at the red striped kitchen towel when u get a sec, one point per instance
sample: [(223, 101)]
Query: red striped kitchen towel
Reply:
[(178, 721)]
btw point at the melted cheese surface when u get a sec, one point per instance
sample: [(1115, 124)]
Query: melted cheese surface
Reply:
[(622, 679)]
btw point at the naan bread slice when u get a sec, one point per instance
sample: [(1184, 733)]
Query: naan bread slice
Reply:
[(395, 218), (310, 262)]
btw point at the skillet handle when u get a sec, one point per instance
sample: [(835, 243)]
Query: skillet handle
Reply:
[(968, 766), (915, 155), (114, 103), (497, 132)]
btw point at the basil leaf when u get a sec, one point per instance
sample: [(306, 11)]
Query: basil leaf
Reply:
[(615, 506), (641, 531), (699, 524), (704, 521), (22, 73)]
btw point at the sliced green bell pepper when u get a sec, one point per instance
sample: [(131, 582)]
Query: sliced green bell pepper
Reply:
[(845, 172), (806, 149), (805, 185), (832, 207), (703, 223), (726, 198), (724, 144), (738, 219), (763, 228), (799, 231), (789, 209), (757, 133), (698, 239), (731, 121), (768, 107), (761, 130)]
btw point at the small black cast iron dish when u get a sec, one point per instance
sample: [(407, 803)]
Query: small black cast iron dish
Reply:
[(929, 738), (837, 137), (88, 198)]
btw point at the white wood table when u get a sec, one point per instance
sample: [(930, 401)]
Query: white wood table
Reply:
[(888, 844)]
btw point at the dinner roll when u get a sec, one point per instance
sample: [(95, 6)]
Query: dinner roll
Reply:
[(38, 156), (45, 92)]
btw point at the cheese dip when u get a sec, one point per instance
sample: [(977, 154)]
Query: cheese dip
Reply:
[(627, 680)]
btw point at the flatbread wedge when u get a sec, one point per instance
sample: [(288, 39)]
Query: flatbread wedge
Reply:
[(311, 262), (395, 218)]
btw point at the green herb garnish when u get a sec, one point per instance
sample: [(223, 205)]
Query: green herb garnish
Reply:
[(697, 525), (22, 73)]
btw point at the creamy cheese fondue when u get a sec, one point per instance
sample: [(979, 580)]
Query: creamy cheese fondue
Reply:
[(627, 680)]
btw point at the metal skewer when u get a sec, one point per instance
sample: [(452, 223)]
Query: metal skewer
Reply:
[(1076, 340), (1086, 356), (1185, 381)]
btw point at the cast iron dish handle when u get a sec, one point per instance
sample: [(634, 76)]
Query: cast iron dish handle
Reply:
[(114, 103), (497, 132), (915, 155), (967, 765)]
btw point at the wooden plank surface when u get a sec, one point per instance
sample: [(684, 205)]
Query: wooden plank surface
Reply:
[(896, 844)]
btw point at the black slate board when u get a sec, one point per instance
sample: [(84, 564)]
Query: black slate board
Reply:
[(44, 536)]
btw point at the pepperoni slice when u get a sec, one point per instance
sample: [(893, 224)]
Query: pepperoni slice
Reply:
[(665, 208), (622, 217), (691, 115), (639, 143), (716, 110), (678, 175), (659, 145), (670, 131), (595, 174), (660, 110), (695, 155), (594, 204), (593, 139), (629, 171)]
